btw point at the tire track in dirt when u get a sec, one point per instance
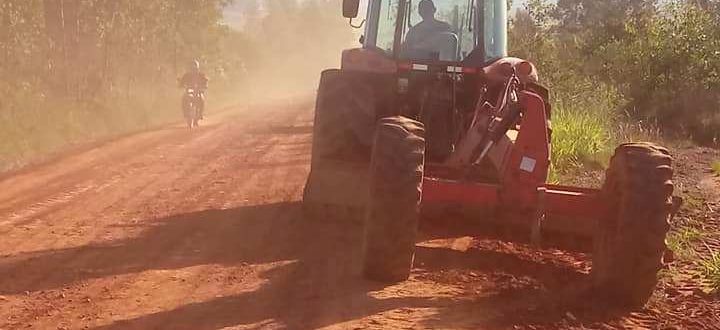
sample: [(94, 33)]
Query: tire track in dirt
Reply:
[(57, 194), (68, 257), (67, 208), (190, 236), (130, 166), (209, 199), (285, 227), (197, 199), (23, 188), (42, 181)]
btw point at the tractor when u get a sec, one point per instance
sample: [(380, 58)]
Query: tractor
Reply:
[(450, 123)]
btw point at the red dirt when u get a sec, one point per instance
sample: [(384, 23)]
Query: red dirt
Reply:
[(173, 229)]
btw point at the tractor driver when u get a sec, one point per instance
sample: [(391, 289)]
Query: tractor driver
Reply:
[(422, 36)]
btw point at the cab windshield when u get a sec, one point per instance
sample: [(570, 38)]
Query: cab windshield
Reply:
[(446, 30)]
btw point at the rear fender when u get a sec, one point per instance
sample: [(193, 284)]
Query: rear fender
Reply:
[(368, 61)]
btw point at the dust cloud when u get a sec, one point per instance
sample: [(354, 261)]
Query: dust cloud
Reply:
[(288, 44)]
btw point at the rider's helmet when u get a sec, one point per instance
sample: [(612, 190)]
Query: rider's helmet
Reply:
[(194, 66)]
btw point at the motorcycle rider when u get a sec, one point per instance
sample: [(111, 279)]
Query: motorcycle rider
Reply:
[(196, 80)]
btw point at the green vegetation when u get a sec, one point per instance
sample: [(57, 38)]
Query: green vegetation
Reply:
[(623, 70), (629, 70), (681, 241), (688, 239), (711, 270), (581, 137), (75, 70), (78, 70), (715, 166), (617, 70)]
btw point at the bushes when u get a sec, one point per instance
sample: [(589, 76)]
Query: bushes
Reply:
[(75, 70), (582, 133), (34, 125), (623, 70), (669, 71), (583, 123), (715, 166)]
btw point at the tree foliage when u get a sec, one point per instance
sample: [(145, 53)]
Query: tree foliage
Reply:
[(97, 49), (85, 49), (670, 70), (663, 59), (73, 69)]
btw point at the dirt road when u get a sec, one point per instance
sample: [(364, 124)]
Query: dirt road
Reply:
[(173, 229)]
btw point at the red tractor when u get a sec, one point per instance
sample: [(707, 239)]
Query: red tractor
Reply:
[(430, 114)]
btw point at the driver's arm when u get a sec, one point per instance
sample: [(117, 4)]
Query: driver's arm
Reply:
[(204, 81), (182, 82), (413, 42), (410, 39), (418, 37)]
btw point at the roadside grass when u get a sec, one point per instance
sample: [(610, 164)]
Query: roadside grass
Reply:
[(580, 138), (715, 166), (34, 126), (686, 232), (681, 241), (687, 240), (583, 134), (711, 270), (629, 130)]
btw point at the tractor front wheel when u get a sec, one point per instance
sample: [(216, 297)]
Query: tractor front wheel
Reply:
[(630, 241), (393, 208)]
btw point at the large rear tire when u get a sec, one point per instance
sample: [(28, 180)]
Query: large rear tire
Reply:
[(630, 241), (345, 119), (344, 116), (392, 211)]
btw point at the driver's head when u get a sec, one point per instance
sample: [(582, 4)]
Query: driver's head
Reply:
[(427, 9), (194, 66)]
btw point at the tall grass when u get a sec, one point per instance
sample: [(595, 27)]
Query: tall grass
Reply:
[(584, 130), (682, 240), (711, 269), (715, 166), (34, 127)]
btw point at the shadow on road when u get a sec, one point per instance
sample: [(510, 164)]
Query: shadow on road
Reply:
[(320, 287)]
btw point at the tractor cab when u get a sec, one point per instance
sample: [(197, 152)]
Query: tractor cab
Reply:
[(472, 32), (440, 54)]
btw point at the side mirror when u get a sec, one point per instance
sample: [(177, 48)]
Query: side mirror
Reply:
[(350, 8)]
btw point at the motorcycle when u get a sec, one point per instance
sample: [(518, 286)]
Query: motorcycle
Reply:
[(191, 107)]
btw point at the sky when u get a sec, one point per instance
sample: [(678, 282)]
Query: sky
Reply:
[(518, 4)]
